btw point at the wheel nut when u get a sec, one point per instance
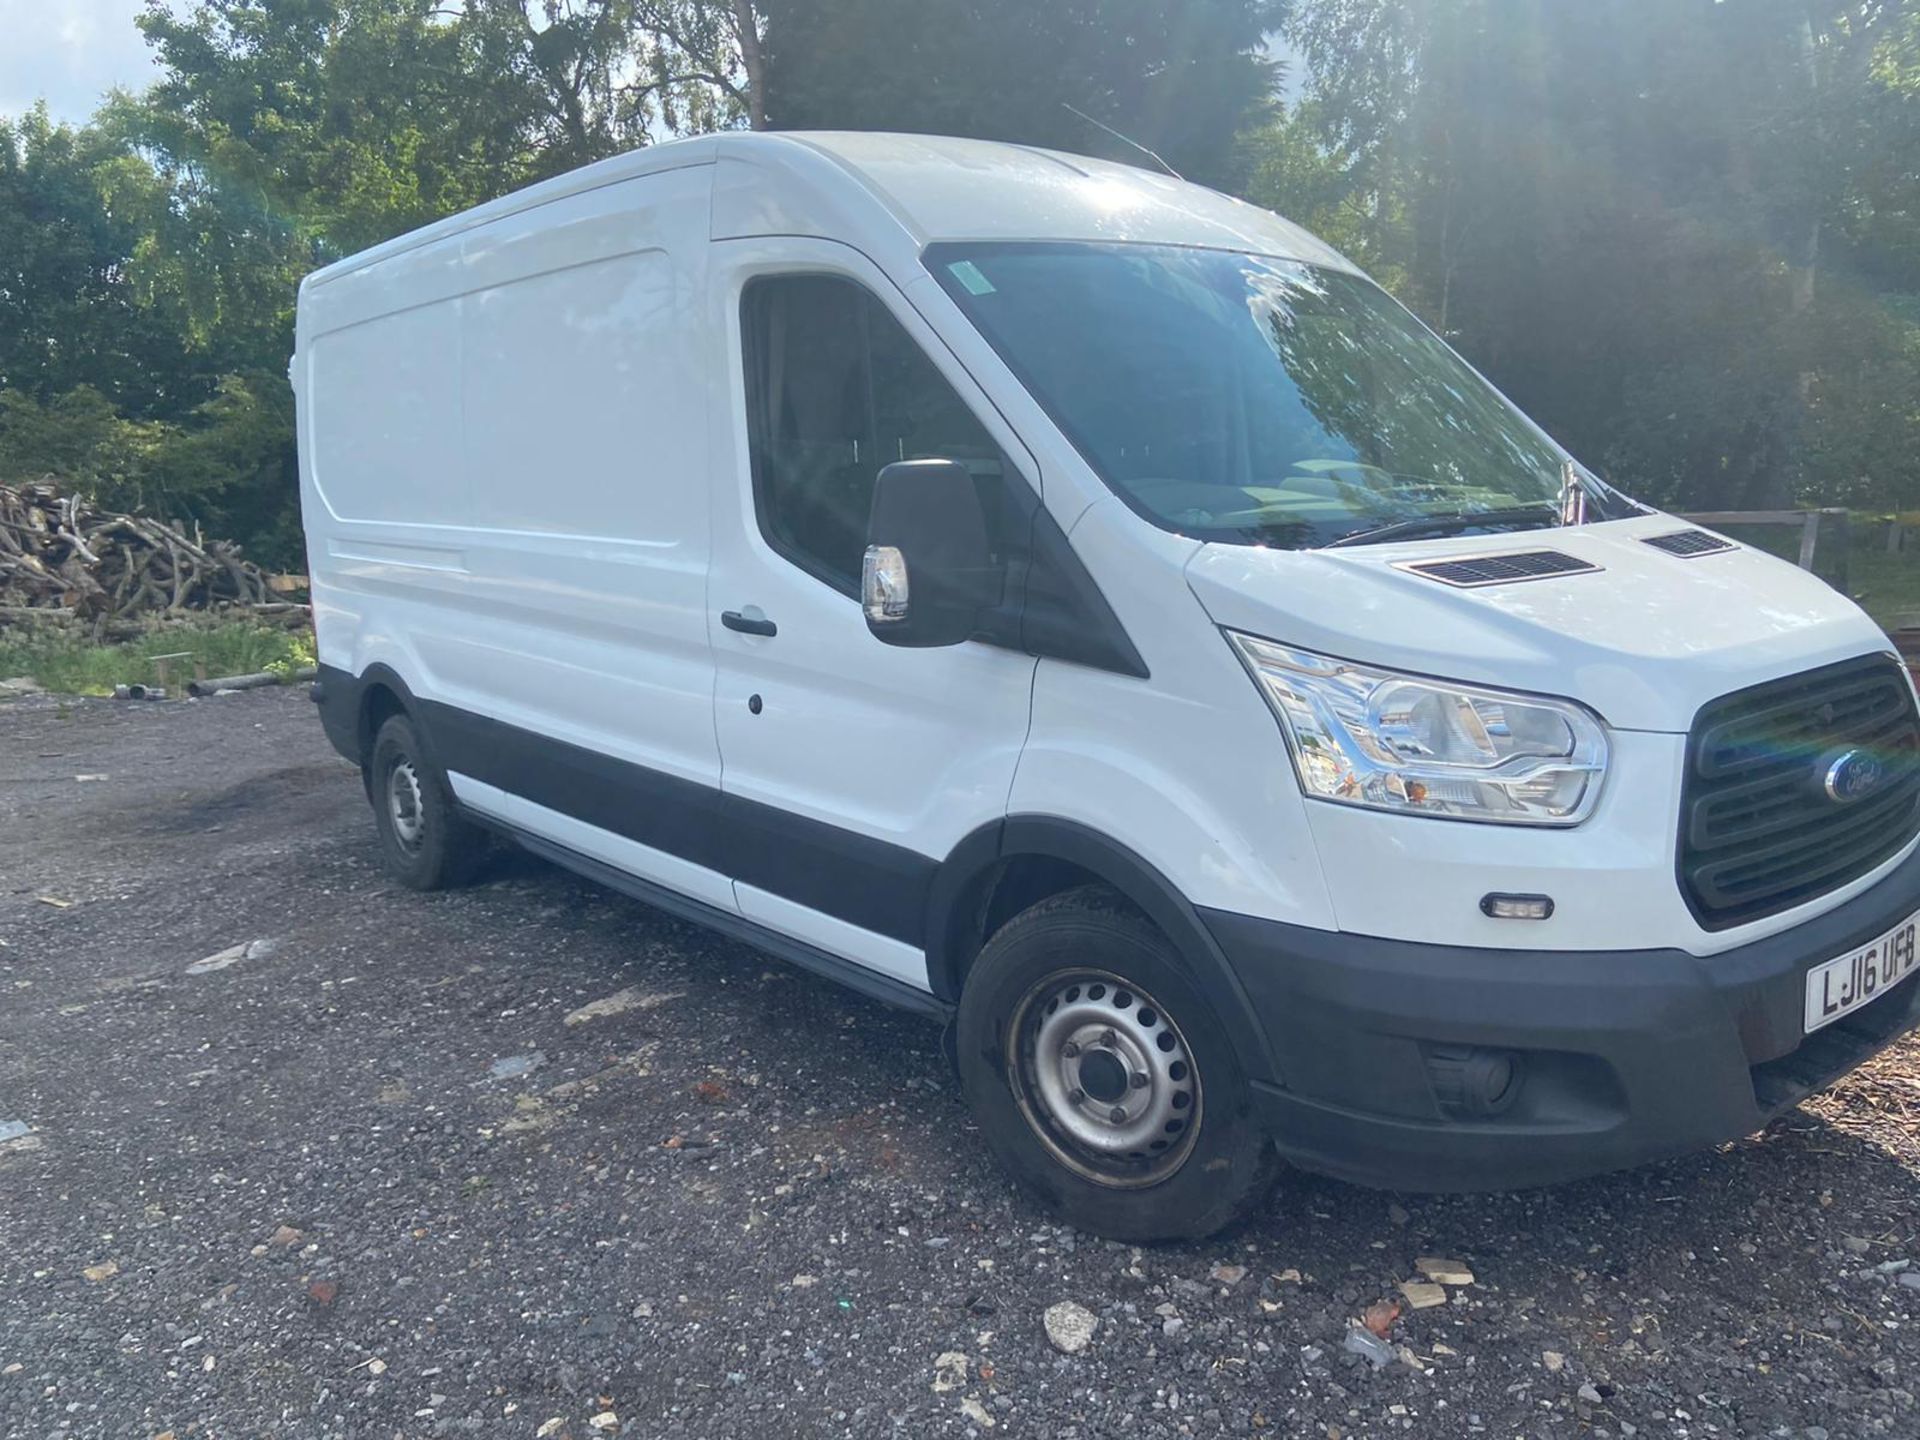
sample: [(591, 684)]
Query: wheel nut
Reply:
[(1070, 1049), (1117, 1114), (1109, 1039), (1077, 1097), (1139, 1080)]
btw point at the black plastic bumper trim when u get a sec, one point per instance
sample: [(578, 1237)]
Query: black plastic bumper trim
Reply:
[(1628, 1056)]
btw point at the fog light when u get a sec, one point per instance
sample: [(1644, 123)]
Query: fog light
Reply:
[(1473, 1082), (1517, 907)]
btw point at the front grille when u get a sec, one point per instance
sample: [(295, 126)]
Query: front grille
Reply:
[(1760, 831), (1688, 544), (1470, 570)]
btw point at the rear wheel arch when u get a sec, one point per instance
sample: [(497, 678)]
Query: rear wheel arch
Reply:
[(379, 703), (382, 695), (1008, 866)]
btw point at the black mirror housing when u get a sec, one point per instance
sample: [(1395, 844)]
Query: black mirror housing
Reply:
[(930, 569)]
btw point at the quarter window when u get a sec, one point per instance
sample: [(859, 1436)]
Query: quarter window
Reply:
[(836, 390)]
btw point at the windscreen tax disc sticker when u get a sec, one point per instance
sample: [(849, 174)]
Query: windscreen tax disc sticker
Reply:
[(968, 274)]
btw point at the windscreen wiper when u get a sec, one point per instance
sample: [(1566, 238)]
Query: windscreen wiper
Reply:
[(1450, 522)]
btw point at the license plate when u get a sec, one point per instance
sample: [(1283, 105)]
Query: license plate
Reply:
[(1839, 987)]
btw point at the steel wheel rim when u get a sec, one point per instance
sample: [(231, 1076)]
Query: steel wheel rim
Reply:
[(404, 805), (1105, 1078)]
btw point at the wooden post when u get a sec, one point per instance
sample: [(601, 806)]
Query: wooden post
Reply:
[(1809, 538), (1841, 541), (163, 666)]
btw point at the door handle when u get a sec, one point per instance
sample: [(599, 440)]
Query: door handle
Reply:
[(748, 624)]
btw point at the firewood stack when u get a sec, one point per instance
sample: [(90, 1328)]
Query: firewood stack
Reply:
[(60, 556)]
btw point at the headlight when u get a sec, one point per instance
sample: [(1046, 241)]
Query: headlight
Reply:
[(1398, 742)]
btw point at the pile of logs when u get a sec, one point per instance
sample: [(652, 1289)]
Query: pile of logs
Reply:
[(60, 556)]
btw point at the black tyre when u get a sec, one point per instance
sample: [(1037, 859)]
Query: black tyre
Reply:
[(1102, 1079), (425, 844)]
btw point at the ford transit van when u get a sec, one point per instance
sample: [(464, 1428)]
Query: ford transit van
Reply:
[(1083, 608)]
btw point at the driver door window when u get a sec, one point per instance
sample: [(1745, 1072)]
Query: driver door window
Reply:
[(835, 391)]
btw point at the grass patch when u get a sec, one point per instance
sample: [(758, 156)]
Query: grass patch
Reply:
[(73, 666), (1887, 584)]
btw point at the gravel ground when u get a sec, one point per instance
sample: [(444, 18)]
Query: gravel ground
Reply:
[(394, 1170)]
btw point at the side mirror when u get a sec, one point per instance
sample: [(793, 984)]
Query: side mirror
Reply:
[(929, 569)]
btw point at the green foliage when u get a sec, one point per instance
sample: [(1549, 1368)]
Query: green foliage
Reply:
[(1885, 582), (70, 311), (77, 440), (354, 120), (1179, 76), (71, 665), (1684, 235), (149, 261), (145, 321), (1287, 167)]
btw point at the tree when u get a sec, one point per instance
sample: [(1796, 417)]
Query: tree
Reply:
[(145, 321), (1673, 230), (1286, 167), (70, 306), (708, 62), (1180, 76), (354, 120), (149, 262)]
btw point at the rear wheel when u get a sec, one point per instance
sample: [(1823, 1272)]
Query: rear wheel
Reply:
[(1103, 1080), (425, 843)]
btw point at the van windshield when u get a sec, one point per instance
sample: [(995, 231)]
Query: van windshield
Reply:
[(1253, 400)]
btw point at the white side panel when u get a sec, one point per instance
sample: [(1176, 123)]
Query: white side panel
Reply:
[(529, 532), (555, 442), (661, 868), (905, 963), (386, 409), (1186, 769)]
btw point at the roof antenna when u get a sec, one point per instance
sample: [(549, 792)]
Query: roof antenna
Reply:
[(1124, 138)]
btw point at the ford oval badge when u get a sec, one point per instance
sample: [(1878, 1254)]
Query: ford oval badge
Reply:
[(1853, 775)]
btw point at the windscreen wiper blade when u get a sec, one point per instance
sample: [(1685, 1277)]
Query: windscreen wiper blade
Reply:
[(1450, 522)]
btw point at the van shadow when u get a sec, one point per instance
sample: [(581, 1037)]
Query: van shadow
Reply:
[(1804, 1182), (780, 1003), (1774, 1217)]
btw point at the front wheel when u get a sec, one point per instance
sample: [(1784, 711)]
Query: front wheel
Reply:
[(1103, 1080)]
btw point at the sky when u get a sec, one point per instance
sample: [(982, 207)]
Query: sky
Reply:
[(70, 52)]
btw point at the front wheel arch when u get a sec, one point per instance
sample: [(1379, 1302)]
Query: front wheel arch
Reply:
[(961, 899)]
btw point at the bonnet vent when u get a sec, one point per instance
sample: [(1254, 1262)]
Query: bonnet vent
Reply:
[(1466, 571), (1688, 543)]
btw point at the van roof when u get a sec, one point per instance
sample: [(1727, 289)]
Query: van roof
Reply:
[(949, 189), (939, 188)]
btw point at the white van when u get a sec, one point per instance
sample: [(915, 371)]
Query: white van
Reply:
[(1081, 607)]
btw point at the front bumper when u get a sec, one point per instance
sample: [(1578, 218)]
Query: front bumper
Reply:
[(1620, 1057)]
